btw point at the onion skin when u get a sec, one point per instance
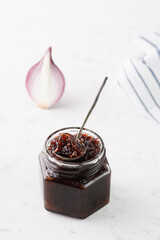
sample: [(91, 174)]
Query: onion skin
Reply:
[(45, 82)]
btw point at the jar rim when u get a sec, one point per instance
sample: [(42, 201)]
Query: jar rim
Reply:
[(59, 159)]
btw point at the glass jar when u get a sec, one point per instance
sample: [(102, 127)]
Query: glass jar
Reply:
[(76, 189)]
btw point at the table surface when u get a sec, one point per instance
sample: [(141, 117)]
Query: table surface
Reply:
[(90, 40)]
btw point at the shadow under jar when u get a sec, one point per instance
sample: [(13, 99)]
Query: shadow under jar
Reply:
[(75, 188)]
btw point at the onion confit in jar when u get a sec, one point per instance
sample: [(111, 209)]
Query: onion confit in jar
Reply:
[(75, 188)]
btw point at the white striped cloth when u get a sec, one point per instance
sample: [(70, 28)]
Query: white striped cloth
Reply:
[(140, 76)]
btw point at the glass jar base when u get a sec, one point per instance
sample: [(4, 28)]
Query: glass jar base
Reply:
[(48, 208), (75, 198)]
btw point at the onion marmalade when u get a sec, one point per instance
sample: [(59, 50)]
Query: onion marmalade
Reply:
[(74, 188)]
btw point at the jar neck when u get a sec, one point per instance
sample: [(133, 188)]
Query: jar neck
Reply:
[(58, 167), (77, 170)]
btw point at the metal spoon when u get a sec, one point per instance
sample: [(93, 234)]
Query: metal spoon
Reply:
[(77, 139)]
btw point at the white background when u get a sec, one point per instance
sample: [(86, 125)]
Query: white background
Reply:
[(90, 40)]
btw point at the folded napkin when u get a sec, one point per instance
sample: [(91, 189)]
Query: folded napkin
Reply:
[(140, 75)]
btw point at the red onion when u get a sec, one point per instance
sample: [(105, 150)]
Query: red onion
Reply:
[(45, 82)]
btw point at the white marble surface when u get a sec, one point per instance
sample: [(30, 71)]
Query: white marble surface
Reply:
[(90, 39)]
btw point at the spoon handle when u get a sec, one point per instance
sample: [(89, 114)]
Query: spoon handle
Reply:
[(93, 105)]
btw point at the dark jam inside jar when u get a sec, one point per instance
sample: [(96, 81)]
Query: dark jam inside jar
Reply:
[(66, 145), (80, 187)]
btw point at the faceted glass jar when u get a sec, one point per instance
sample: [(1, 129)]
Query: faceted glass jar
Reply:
[(76, 189)]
